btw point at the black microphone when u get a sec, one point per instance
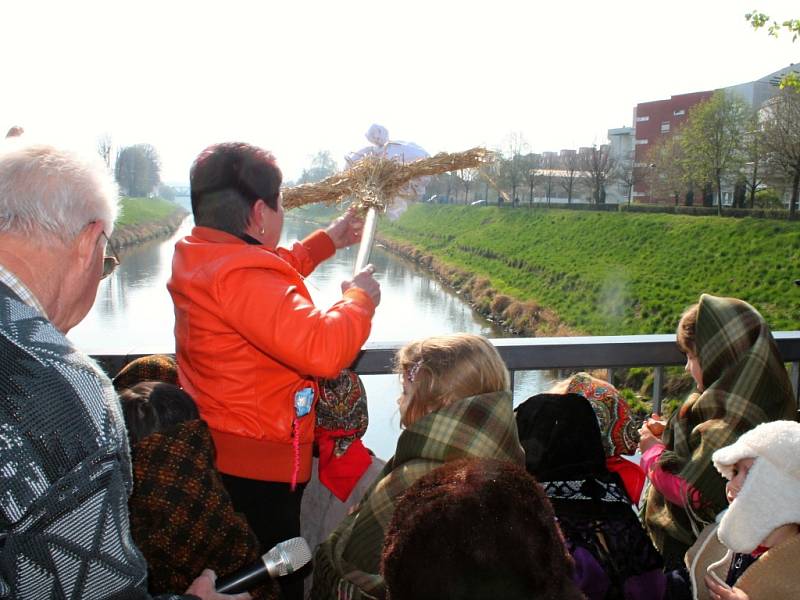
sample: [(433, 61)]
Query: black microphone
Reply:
[(284, 559)]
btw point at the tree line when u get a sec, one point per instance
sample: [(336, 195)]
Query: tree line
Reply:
[(726, 143), (136, 168), (723, 144), (518, 176)]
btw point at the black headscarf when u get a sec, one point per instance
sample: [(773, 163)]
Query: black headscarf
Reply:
[(561, 437), (564, 451)]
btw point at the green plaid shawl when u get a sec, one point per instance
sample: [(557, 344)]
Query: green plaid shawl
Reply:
[(745, 384), (347, 564)]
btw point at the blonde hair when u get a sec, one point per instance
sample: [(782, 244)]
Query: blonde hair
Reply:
[(439, 370), (687, 330)]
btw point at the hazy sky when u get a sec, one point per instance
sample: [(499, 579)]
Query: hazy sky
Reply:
[(301, 76)]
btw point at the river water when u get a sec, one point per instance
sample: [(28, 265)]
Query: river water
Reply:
[(133, 314)]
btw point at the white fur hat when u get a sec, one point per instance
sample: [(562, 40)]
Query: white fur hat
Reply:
[(770, 495)]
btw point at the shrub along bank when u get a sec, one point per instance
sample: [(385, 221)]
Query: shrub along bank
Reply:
[(143, 219)]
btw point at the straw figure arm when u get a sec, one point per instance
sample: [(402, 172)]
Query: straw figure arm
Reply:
[(374, 180)]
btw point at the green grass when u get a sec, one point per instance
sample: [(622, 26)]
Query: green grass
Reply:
[(615, 273), (138, 211)]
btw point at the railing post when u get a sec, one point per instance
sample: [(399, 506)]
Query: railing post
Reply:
[(795, 377), (658, 378), (511, 374)]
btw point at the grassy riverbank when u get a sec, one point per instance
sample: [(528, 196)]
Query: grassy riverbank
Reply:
[(140, 211), (143, 219), (546, 272)]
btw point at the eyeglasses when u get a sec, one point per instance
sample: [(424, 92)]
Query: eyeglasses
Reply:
[(109, 262)]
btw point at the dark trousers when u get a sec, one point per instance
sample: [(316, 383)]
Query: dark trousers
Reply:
[(273, 512)]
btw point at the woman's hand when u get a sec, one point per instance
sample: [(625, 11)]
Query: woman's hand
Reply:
[(719, 591), (346, 230), (366, 282), (205, 588)]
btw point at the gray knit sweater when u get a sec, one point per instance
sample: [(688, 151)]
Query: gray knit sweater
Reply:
[(65, 469)]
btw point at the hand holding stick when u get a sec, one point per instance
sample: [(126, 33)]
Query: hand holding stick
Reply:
[(367, 239)]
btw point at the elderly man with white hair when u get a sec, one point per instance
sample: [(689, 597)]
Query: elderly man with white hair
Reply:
[(65, 470)]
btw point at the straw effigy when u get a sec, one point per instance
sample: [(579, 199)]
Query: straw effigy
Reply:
[(374, 180)]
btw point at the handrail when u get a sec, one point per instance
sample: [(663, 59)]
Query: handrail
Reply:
[(532, 354)]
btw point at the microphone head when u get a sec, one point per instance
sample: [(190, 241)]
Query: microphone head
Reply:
[(287, 557)]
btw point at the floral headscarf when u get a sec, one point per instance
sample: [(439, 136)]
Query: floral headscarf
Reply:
[(342, 420), (616, 425)]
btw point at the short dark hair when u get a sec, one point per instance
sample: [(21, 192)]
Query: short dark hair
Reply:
[(152, 406), (476, 529), (227, 179)]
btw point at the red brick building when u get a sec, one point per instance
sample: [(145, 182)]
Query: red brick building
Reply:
[(652, 121)]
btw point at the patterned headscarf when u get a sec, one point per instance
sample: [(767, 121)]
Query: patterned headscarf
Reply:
[(745, 384), (155, 367), (342, 420), (616, 425), (342, 407)]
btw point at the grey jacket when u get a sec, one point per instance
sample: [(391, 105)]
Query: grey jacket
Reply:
[(65, 471)]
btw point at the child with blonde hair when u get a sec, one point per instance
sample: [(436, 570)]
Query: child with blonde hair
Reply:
[(456, 403)]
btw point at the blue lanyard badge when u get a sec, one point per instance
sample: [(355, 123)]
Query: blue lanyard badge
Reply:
[(303, 401)]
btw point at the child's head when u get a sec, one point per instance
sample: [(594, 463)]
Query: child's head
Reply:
[(475, 529), (763, 472), (437, 371), (153, 367), (687, 342), (151, 406)]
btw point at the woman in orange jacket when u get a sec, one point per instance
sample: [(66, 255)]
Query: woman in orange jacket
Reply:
[(249, 341)]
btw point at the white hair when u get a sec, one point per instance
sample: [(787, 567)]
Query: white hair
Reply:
[(51, 191)]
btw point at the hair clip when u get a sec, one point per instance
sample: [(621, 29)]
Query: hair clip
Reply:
[(412, 372)]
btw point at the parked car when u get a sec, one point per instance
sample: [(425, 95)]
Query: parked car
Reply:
[(479, 203)]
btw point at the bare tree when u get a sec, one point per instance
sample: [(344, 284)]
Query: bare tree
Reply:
[(666, 170), (549, 165), (533, 166), (571, 166), (512, 167), (754, 168), (104, 147), (781, 140), (599, 167), (625, 174), (467, 176)]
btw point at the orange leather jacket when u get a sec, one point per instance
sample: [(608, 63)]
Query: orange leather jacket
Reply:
[(248, 337)]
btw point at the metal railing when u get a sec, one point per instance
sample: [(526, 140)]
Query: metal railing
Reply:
[(558, 353)]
